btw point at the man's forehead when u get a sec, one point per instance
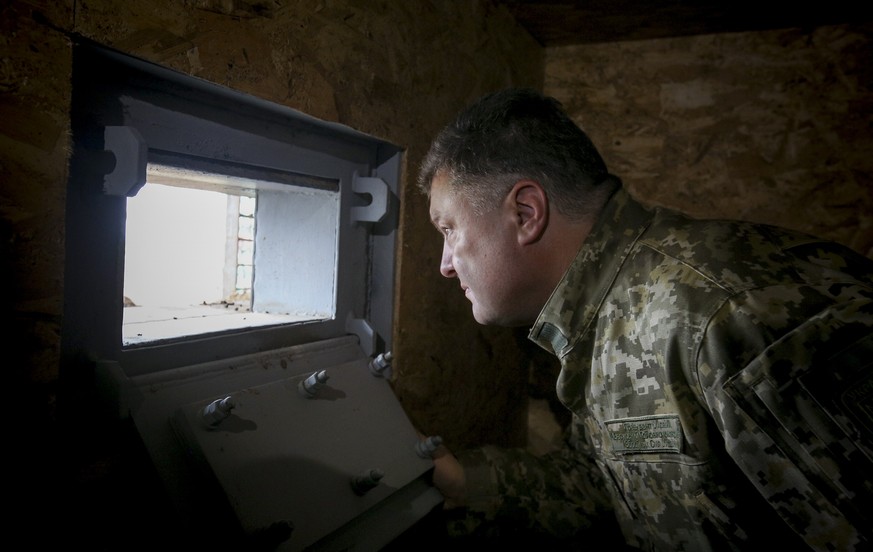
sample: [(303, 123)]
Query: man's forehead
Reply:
[(436, 212), (439, 197)]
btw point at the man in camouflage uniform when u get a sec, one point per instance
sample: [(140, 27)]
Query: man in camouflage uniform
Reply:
[(718, 372)]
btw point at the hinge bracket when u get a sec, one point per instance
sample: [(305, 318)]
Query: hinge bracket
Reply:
[(377, 189), (366, 335), (128, 147)]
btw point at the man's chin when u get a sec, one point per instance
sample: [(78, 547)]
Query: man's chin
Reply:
[(492, 319), (480, 317), (486, 319)]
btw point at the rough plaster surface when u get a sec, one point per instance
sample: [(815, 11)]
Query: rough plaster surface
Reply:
[(35, 70), (770, 126)]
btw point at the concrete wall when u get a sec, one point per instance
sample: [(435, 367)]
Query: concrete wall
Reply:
[(771, 126)]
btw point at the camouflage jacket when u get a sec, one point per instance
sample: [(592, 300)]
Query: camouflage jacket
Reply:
[(720, 376)]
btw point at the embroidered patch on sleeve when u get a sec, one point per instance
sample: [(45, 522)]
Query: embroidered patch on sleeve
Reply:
[(645, 434)]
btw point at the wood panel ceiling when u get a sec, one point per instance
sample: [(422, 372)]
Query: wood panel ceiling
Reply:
[(563, 22)]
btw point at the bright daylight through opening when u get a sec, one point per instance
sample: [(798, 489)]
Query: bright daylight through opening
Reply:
[(190, 254)]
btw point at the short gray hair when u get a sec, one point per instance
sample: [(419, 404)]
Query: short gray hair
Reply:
[(514, 134)]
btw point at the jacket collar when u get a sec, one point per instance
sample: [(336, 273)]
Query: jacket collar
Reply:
[(571, 309)]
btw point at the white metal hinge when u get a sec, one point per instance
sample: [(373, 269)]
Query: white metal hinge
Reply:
[(377, 189), (129, 148), (366, 335)]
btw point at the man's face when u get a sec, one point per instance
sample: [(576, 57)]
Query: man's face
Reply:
[(479, 250)]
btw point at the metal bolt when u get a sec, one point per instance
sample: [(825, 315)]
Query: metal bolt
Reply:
[(428, 447), (217, 410), (310, 386), (367, 481), (381, 363)]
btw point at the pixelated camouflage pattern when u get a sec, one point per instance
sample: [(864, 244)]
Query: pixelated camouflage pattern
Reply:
[(720, 376), (553, 501)]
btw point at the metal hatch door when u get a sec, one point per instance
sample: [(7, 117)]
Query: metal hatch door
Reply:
[(284, 463), (277, 469)]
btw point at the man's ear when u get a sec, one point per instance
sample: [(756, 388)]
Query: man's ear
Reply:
[(531, 205)]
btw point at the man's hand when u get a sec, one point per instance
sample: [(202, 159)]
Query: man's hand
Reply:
[(449, 478)]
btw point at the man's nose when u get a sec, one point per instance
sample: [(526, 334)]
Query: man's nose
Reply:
[(446, 267)]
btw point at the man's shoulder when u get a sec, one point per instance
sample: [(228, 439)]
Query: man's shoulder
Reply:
[(748, 254)]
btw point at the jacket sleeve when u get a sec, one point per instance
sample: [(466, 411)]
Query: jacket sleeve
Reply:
[(558, 496), (787, 375)]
